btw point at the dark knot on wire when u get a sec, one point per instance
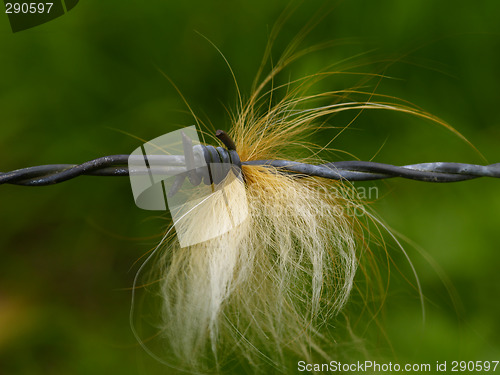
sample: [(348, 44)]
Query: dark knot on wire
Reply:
[(218, 161)]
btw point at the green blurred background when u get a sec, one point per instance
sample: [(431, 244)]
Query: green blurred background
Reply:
[(70, 90)]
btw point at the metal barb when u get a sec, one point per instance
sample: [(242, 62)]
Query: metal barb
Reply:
[(226, 139)]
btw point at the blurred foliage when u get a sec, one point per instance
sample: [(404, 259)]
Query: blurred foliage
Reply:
[(74, 88)]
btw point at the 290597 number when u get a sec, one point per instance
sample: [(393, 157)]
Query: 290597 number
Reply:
[(471, 366), (28, 7)]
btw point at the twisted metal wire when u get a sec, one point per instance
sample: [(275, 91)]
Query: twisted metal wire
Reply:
[(117, 165), (183, 166)]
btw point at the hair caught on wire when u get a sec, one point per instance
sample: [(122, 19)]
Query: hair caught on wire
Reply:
[(270, 290)]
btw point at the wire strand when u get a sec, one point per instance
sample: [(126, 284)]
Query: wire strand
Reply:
[(117, 165)]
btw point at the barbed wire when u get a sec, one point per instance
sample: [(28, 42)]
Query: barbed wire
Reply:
[(117, 165)]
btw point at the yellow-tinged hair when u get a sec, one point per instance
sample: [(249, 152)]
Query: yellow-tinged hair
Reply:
[(266, 294), (268, 290)]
